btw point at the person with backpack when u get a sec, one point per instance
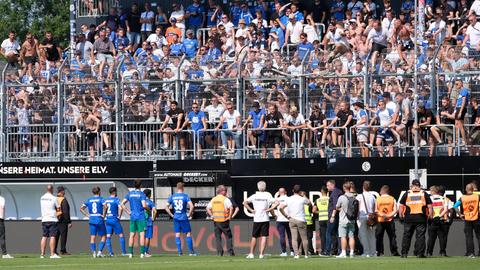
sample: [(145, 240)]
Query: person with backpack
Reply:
[(415, 210), (347, 207)]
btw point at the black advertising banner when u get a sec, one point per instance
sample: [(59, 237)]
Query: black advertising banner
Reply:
[(75, 170)]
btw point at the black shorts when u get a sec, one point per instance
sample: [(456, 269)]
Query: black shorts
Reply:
[(91, 136), (274, 138), (460, 115), (260, 229), (378, 47), (30, 59), (410, 123), (49, 229)]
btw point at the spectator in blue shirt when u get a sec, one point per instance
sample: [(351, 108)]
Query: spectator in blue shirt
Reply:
[(255, 135), (210, 10), (245, 14), (176, 49), (194, 73), (304, 47), (121, 39), (198, 123), (195, 14), (461, 109), (298, 14), (213, 54), (279, 31), (235, 12), (262, 7), (190, 44), (337, 10)]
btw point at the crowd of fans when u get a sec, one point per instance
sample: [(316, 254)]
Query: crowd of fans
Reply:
[(353, 62)]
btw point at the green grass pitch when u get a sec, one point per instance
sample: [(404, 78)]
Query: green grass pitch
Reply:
[(86, 262)]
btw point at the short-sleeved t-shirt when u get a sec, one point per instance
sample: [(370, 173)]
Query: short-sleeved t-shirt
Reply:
[(296, 207), (273, 120), (174, 114), (256, 117), (463, 93), (343, 117), (444, 119), (342, 203), (179, 202), (112, 204), (136, 197), (317, 120), (95, 209), (230, 119), (261, 201), (196, 120)]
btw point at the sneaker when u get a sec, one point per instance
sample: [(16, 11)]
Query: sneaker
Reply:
[(369, 146), (222, 147), (230, 151), (42, 257), (55, 256), (321, 254), (157, 120), (342, 255), (94, 255), (164, 146), (130, 255), (404, 144), (100, 255), (261, 256), (251, 147), (148, 255), (7, 256), (292, 254), (302, 146), (423, 143), (250, 256), (471, 256), (296, 257), (284, 254), (111, 255), (142, 256), (193, 254), (306, 257), (352, 255)]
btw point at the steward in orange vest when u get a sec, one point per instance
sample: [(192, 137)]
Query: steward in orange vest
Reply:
[(221, 209), (415, 210), (386, 209), (469, 213)]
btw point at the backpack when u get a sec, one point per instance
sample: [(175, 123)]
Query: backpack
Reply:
[(352, 209)]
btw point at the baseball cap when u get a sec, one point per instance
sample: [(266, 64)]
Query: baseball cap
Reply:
[(173, 20), (256, 104), (416, 183), (189, 31), (241, 21)]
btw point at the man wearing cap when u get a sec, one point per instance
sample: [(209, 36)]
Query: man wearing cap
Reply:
[(172, 31), (415, 209), (64, 222)]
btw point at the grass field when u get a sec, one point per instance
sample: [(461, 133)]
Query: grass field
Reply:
[(85, 262)]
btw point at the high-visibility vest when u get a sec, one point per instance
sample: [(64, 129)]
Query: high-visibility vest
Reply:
[(308, 215), (322, 205), (470, 206), (438, 203), (385, 205), (220, 213), (416, 202), (59, 209)]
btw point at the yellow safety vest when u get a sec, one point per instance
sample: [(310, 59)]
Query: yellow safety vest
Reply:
[(220, 213), (308, 215), (322, 205)]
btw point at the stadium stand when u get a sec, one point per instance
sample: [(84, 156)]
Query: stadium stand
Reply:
[(324, 68)]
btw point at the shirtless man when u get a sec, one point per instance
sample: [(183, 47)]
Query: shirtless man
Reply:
[(28, 54), (402, 38), (90, 125)]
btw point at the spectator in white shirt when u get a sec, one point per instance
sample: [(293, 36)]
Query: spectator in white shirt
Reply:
[(10, 49), (179, 14), (473, 35), (261, 202), (437, 29), (388, 23), (49, 206), (475, 8), (230, 122), (295, 214), (294, 29), (259, 19), (147, 18), (366, 233), (283, 227), (3, 246), (157, 38)]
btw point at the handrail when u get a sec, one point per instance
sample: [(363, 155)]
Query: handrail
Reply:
[(60, 100)]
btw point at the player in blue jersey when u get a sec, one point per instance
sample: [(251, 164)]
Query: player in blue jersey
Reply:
[(112, 210), (93, 209), (150, 215), (178, 202), (138, 205)]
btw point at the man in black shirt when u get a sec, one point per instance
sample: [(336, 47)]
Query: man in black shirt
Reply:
[(51, 49), (425, 118), (274, 120), (64, 222), (415, 210), (321, 12), (316, 124), (344, 119), (172, 126), (445, 123), (133, 27)]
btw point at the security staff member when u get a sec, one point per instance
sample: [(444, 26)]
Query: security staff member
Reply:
[(310, 224), (469, 212), (437, 226), (220, 208), (386, 209), (64, 221), (415, 210), (321, 209)]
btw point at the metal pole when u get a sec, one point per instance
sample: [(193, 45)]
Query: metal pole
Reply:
[(178, 84), (240, 89), (302, 87), (60, 111), (118, 111), (415, 80), (3, 119), (73, 25)]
